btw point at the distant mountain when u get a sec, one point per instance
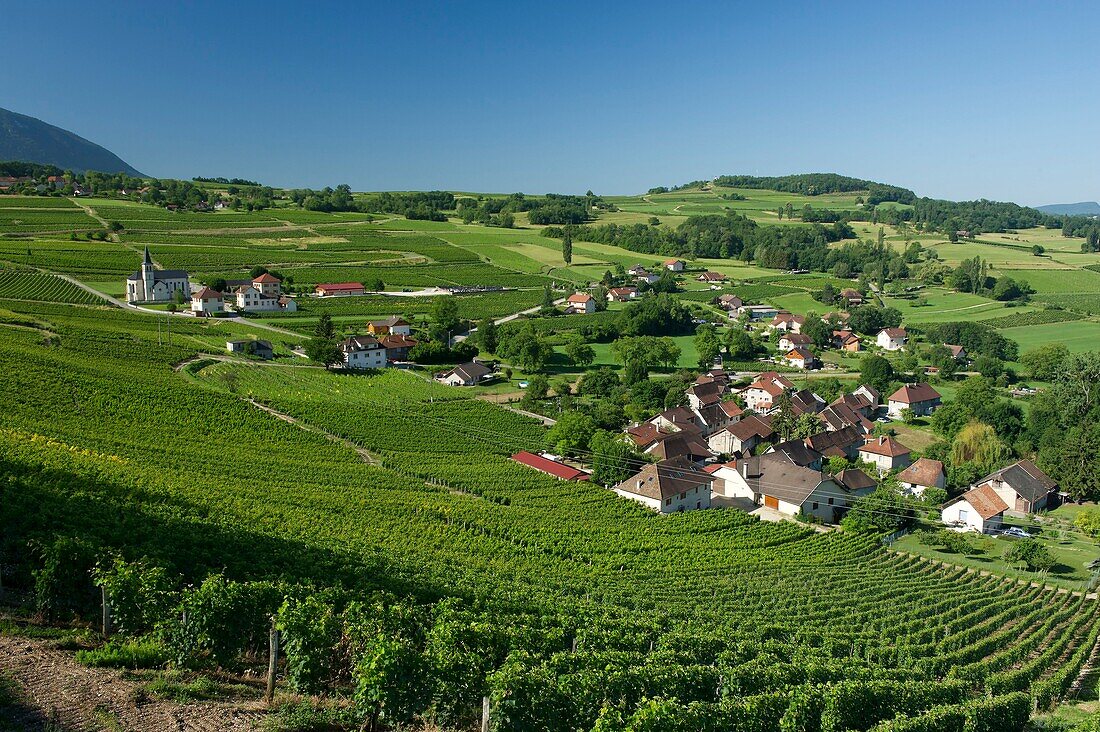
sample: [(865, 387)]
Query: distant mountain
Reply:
[(34, 141), (1085, 208)]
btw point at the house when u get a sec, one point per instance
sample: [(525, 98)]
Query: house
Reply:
[(269, 285), (675, 265), (957, 352), (340, 289), (256, 348), (979, 508), (730, 302), (543, 464), (622, 294), (393, 325), (798, 453), (892, 339), (669, 486), (856, 482), (685, 443), (1022, 486), (757, 312), (397, 346), (742, 436), (788, 341), (854, 297), (288, 304), (580, 303), (467, 374), (362, 352), (777, 483), (844, 442), (885, 453), (642, 274), (788, 323), (801, 358), (207, 302), (676, 418), (846, 340), (805, 400), (925, 473), (705, 394), (920, 399), (149, 284), (711, 277), (760, 395)]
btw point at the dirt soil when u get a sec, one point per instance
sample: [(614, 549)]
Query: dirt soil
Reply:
[(60, 694)]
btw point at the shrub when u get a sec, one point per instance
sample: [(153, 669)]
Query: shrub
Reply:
[(125, 654)]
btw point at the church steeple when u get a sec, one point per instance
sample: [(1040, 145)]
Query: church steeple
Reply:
[(148, 258)]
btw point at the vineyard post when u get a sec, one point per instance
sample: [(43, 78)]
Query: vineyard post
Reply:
[(484, 714), (106, 612), (272, 658)]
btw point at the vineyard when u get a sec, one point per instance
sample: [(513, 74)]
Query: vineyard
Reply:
[(568, 607), (20, 285)]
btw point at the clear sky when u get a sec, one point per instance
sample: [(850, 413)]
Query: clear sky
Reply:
[(952, 99)]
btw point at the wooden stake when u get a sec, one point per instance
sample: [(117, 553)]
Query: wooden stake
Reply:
[(272, 659), (106, 612), (484, 714)]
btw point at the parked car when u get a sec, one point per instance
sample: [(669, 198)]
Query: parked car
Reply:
[(1017, 532)]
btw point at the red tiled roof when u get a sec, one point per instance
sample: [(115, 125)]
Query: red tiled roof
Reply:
[(580, 297), (913, 393), (267, 278), (207, 294), (924, 472), (894, 332), (550, 467), (886, 446), (985, 501)]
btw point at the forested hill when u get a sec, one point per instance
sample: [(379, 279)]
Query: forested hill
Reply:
[(1085, 208), (812, 184), (32, 140)]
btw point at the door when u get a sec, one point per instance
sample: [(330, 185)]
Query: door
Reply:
[(771, 502)]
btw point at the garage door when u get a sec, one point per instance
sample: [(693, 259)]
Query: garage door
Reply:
[(771, 502)]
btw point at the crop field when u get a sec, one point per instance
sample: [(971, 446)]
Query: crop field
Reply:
[(739, 618), (20, 285)]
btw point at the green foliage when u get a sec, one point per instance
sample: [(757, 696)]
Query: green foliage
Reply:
[(125, 654), (140, 594), (882, 512), (311, 631), (1088, 521), (571, 434), (63, 583), (1031, 553), (876, 372)]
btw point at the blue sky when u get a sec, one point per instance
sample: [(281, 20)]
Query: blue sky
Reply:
[(952, 99)]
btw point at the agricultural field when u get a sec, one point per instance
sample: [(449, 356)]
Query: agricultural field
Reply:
[(23, 285)]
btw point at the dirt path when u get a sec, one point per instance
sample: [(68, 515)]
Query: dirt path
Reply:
[(361, 451), (63, 695)]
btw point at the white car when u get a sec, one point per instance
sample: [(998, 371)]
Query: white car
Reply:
[(1017, 532)]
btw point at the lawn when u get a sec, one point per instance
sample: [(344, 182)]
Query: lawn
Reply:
[(1071, 553), (1078, 336)]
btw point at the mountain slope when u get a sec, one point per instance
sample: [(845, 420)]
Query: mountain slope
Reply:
[(1085, 208), (32, 140)]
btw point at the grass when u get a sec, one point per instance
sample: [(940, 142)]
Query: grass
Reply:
[(1071, 553), (124, 654), (1078, 336)]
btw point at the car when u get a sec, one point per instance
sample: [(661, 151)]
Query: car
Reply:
[(1017, 532), (884, 420), (961, 528)]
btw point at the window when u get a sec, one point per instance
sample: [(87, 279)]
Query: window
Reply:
[(668, 501), (698, 504), (683, 495), (830, 501), (962, 514)]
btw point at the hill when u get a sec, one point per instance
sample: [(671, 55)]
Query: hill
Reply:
[(32, 140), (1084, 208)]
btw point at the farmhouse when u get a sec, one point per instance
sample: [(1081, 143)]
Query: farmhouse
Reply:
[(775, 482), (742, 437), (543, 464), (797, 452), (581, 303), (885, 453), (760, 395), (846, 340), (642, 274), (854, 297), (801, 358), (1022, 486), (920, 399), (393, 325), (256, 348), (340, 289), (397, 346), (957, 352), (207, 302), (980, 508), (712, 277), (622, 294), (467, 374), (788, 323), (156, 285), (669, 486), (805, 400), (363, 352), (856, 482), (675, 265), (730, 302), (789, 341), (269, 285), (253, 299), (925, 473), (892, 339)]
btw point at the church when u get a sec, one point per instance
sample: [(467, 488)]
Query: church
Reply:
[(156, 285)]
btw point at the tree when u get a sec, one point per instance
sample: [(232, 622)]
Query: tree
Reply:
[(525, 347), (487, 335), (707, 344), (567, 249), (783, 419), (579, 353), (978, 444), (571, 434), (613, 460), (817, 330), (989, 366), (807, 425), (537, 388), (942, 358), (322, 347), (218, 284), (876, 371), (602, 382), (740, 345), (882, 512), (444, 313), (1032, 554), (547, 298), (1045, 363)]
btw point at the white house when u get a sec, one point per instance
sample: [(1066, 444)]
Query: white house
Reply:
[(788, 323), (207, 302), (393, 325), (980, 508), (892, 339), (467, 374), (1022, 486), (761, 394), (800, 358), (925, 473), (675, 265), (775, 482), (363, 352), (789, 341), (622, 294), (669, 486), (149, 284), (920, 399), (581, 303), (885, 453)]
